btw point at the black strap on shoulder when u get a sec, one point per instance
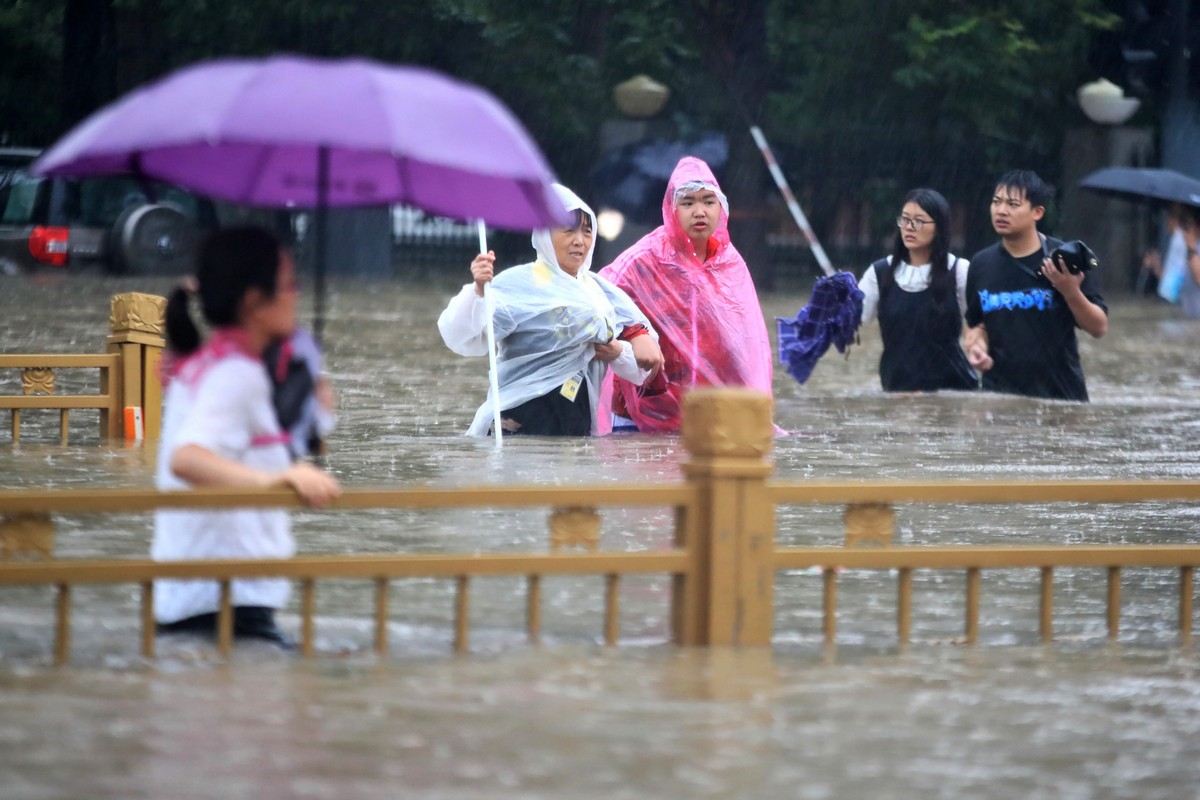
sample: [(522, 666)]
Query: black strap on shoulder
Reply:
[(1021, 264), (884, 276), (291, 383)]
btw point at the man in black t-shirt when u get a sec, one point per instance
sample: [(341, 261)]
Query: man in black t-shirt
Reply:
[(1022, 308)]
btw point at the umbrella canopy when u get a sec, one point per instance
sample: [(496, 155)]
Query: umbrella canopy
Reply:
[(630, 178), (251, 131), (292, 132), (1137, 183)]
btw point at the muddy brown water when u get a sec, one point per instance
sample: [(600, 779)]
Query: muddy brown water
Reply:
[(1083, 718)]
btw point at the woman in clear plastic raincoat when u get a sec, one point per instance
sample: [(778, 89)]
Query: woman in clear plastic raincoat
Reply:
[(696, 289), (558, 329)]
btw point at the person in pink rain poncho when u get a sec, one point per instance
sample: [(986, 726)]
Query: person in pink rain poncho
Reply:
[(694, 286)]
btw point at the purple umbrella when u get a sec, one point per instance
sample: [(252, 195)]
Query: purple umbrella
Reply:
[(291, 132)]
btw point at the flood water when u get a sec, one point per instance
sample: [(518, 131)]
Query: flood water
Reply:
[(1083, 718)]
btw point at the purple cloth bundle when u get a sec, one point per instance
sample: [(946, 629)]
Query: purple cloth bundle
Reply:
[(832, 317)]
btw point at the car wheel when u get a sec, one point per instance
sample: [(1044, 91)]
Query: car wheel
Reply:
[(155, 239)]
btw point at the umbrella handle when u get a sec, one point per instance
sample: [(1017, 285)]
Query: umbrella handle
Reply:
[(489, 310)]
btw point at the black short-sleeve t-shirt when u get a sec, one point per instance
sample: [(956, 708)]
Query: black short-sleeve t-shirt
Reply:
[(1031, 331)]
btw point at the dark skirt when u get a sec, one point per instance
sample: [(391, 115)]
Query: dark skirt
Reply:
[(249, 622), (552, 414)]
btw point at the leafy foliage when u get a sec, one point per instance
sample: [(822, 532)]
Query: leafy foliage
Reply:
[(862, 99), (30, 52), (879, 98)]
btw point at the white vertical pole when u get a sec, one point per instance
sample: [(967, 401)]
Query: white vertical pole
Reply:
[(489, 306)]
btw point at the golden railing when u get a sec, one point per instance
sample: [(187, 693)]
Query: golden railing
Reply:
[(128, 374), (38, 383), (723, 563), (869, 516), (571, 522)]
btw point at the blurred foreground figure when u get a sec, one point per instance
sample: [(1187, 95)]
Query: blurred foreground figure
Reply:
[(220, 428)]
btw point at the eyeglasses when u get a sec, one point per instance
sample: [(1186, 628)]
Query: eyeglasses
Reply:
[(916, 223)]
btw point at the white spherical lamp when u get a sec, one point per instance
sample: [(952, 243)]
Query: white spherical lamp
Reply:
[(640, 96), (1105, 103)]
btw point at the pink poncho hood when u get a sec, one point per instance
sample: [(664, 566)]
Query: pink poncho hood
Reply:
[(706, 311)]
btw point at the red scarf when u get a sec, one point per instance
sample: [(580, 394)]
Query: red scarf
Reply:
[(223, 342)]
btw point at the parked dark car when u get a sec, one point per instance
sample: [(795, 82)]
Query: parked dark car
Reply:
[(116, 225), (15, 159)]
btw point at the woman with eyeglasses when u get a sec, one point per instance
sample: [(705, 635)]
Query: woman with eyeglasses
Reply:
[(918, 294)]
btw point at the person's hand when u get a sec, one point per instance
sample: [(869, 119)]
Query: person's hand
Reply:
[(482, 269), (975, 344), (1152, 262), (608, 351), (1064, 282), (316, 487), (978, 358), (324, 394), (648, 354)]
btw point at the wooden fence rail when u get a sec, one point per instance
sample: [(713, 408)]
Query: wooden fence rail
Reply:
[(128, 375), (573, 520), (723, 563), (38, 376), (973, 559)]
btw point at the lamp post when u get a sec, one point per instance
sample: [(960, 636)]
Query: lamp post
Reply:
[(640, 100), (640, 97), (1105, 103), (1116, 230)]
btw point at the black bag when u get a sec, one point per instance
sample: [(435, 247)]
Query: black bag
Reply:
[(291, 383), (1076, 256)]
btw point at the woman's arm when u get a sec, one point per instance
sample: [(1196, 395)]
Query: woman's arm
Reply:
[(869, 285), (201, 467), (625, 363), (463, 323)]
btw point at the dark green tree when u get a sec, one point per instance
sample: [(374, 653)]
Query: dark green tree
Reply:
[(861, 99), (30, 67), (877, 98)]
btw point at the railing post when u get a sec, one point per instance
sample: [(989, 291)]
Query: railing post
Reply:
[(730, 600), (136, 331)]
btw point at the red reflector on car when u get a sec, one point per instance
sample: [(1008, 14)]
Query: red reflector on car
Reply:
[(49, 245)]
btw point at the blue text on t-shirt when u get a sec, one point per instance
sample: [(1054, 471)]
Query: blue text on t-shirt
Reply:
[(1039, 299)]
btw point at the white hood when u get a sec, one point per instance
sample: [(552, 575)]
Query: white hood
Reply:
[(542, 243)]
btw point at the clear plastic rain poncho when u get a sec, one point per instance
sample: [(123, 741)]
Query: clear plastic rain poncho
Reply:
[(546, 324), (709, 321)]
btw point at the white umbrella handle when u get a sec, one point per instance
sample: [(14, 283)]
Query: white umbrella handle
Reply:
[(489, 310)]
